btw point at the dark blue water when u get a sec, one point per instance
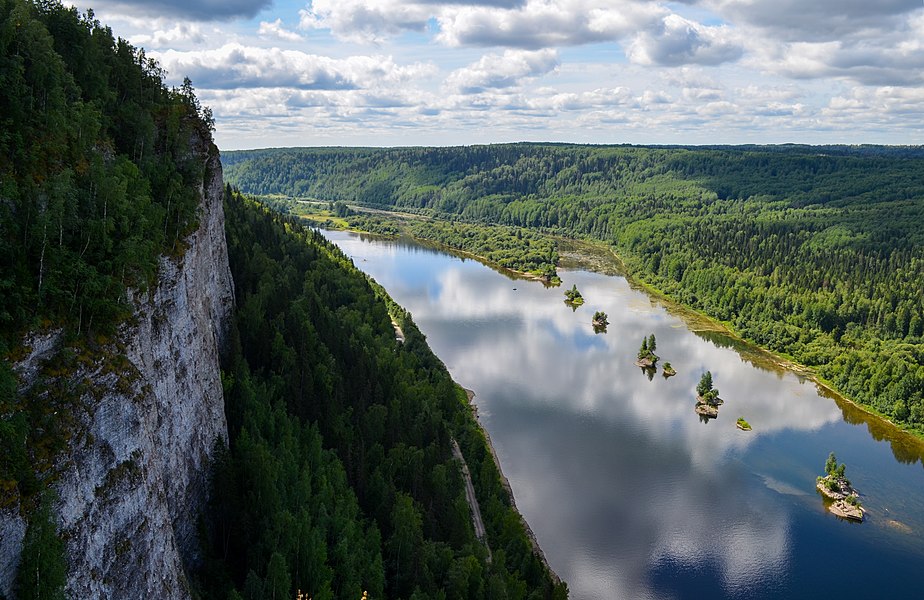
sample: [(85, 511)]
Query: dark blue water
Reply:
[(628, 492)]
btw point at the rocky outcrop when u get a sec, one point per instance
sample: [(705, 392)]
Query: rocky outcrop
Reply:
[(12, 532), (646, 362), (708, 406), (846, 510), (707, 410), (846, 499), (131, 486)]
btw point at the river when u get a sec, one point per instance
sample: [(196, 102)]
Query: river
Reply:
[(629, 492)]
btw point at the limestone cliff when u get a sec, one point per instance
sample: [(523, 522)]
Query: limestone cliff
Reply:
[(134, 480)]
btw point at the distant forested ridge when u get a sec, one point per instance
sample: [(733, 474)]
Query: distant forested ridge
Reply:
[(815, 252), (340, 477)]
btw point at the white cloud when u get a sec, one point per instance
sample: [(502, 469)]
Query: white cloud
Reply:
[(237, 66), (530, 24), (883, 105), (652, 98), (276, 30), (180, 33), (365, 20), (866, 63), (678, 41), (546, 23), (198, 10), (577, 70), (503, 70), (549, 99), (818, 20)]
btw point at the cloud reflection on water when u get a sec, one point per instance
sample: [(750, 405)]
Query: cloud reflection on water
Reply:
[(538, 367), (629, 494)]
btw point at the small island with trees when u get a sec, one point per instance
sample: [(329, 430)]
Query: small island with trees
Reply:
[(573, 297), (707, 397), (668, 370), (647, 359), (742, 424), (600, 322), (835, 486)]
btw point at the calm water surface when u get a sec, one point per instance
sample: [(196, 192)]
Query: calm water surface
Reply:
[(628, 492)]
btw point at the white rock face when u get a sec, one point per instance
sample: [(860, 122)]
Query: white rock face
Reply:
[(12, 531), (132, 488)]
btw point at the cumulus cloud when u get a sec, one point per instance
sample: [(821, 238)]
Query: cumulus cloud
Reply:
[(877, 105), (818, 20), (781, 70), (276, 30), (865, 63), (199, 10), (365, 20), (238, 66), (545, 23), (503, 70), (678, 41), (527, 24), (592, 99), (162, 38)]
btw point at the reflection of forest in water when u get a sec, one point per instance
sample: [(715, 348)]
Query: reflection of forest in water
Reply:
[(906, 447), (627, 491)]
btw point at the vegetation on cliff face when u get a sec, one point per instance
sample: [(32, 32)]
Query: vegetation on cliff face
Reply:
[(813, 252), (101, 164), (339, 477)]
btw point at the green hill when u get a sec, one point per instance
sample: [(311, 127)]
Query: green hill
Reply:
[(816, 253)]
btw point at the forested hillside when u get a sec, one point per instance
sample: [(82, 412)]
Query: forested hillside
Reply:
[(813, 252), (97, 174), (101, 168), (339, 478)]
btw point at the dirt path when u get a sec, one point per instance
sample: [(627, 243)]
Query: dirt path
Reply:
[(472, 500)]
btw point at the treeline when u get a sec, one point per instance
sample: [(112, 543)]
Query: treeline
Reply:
[(813, 252), (99, 168), (509, 247), (513, 248), (339, 477)]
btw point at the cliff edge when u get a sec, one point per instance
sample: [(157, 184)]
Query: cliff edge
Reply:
[(135, 476)]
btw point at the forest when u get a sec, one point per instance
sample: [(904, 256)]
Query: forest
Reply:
[(339, 477), (514, 248), (98, 179), (815, 253)]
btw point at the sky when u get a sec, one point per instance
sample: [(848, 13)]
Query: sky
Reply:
[(458, 72)]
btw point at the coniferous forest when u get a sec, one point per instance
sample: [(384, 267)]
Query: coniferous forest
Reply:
[(339, 477), (815, 252), (97, 180)]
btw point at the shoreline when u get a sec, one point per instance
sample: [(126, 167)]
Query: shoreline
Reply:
[(400, 216), (695, 320), (699, 322), (537, 549)]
